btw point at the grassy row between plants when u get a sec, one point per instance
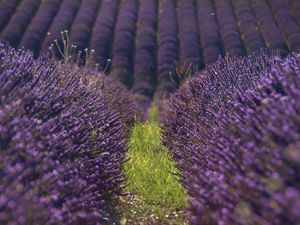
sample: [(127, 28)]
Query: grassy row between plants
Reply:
[(156, 196)]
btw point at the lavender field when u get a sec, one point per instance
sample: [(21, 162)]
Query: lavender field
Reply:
[(150, 112)]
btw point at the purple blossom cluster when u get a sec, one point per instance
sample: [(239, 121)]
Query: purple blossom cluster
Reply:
[(145, 49), (208, 31), (15, 28), (167, 49), (37, 30), (61, 22), (268, 27), (231, 37), (199, 99), (286, 22), (189, 40), (234, 131), (251, 35), (122, 100), (7, 8), (123, 42), (102, 37), (251, 175), (62, 139), (81, 29)]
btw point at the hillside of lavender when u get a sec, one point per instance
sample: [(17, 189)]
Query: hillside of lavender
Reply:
[(77, 75)]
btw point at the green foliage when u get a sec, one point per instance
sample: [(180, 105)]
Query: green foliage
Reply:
[(150, 172), (153, 114)]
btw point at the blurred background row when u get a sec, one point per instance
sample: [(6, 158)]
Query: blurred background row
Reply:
[(149, 45)]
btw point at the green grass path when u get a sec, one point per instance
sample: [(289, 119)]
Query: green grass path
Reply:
[(156, 196)]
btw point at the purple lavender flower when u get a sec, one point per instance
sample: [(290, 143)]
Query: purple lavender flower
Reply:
[(235, 137), (62, 135)]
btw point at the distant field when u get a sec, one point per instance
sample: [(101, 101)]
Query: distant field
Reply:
[(147, 44)]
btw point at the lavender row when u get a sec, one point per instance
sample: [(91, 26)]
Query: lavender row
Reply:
[(61, 22), (211, 43), (37, 30), (123, 42), (15, 28), (251, 35), (101, 41), (268, 26), (287, 24), (145, 49), (203, 96), (233, 139), (233, 45), (167, 49), (62, 142), (81, 29), (189, 41), (253, 166), (295, 9), (7, 8)]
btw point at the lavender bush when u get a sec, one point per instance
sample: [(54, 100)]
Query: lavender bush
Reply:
[(204, 95), (236, 141), (62, 143), (249, 172), (118, 96)]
